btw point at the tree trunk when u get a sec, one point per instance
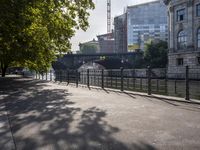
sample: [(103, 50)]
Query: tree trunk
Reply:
[(3, 71)]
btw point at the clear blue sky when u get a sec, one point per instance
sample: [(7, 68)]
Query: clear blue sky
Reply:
[(97, 20)]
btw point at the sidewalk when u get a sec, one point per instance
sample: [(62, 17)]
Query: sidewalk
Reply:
[(157, 96), (6, 139), (51, 116)]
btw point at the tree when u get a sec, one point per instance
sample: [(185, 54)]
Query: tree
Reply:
[(34, 32), (155, 54), (88, 48)]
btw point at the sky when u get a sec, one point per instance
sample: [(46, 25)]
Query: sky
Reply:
[(98, 19)]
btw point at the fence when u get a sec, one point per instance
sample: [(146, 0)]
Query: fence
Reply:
[(151, 81)]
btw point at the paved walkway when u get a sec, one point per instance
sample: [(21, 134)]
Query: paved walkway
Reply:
[(49, 116), (6, 139)]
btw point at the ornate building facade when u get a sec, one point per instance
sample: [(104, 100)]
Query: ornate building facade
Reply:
[(184, 35)]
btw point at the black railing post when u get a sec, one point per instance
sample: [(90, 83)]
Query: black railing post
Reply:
[(141, 84), (111, 82), (102, 78), (88, 78), (122, 78), (166, 81), (46, 75), (61, 75), (58, 75), (187, 90), (67, 76), (50, 75), (59, 79), (36, 75), (77, 78), (133, 77), (157, 85), (149, 80), (175, 86)]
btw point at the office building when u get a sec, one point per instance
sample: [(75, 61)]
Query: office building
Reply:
[(146, 22), (120, 33)]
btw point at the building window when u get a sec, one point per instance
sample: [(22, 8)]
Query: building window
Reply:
[(181, 15), (198, 10), (182, 40), (198, 38), (180, 61)]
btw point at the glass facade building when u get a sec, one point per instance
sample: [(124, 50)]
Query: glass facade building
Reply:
[(120, 33), (145, 22)]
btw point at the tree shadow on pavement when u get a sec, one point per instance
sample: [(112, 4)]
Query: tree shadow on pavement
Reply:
[(46, 118)]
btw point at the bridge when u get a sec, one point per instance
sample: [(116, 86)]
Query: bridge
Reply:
[(74, 61)]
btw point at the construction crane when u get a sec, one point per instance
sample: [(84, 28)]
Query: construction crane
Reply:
[(109, 16)]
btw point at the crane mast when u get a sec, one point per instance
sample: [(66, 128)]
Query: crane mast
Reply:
[(109, 16)]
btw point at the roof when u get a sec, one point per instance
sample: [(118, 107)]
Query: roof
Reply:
[(92, 41), (105, 35)]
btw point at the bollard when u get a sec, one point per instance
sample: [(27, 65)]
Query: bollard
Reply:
[(149, 80), (122, 78), (187, 91)]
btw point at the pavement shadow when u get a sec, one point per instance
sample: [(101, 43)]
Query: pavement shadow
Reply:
[(43, 118), (178, 104)]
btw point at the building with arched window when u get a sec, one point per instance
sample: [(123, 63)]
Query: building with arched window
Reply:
[(184, 34), (198, 37), (182, 40)]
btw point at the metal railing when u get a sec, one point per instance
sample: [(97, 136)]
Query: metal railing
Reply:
[(150, 81)]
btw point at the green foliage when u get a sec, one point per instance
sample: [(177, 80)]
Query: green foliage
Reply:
[(33, 32), (139, 60), (88, 48), (155, 54)]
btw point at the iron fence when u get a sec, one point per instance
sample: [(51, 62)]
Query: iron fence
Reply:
[(151, 81)]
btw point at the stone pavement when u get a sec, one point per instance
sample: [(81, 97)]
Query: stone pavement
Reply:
[(50, 116)]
